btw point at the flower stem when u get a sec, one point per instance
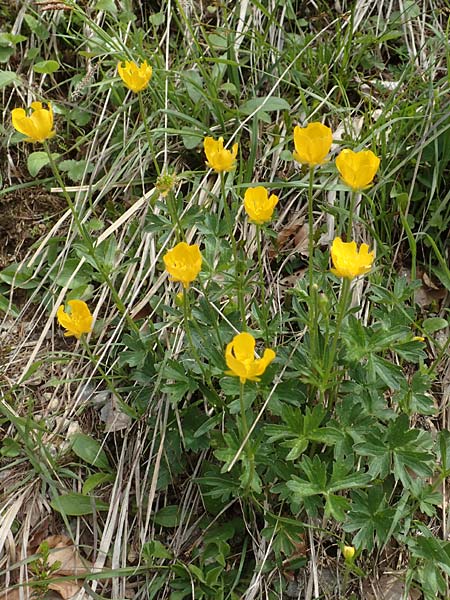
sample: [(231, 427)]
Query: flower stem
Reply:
[(341, 312), (88, 242), (237, 265), (147, 133), (187, 328), (244, 427), (311, 291), (262, 287), (350, 216)]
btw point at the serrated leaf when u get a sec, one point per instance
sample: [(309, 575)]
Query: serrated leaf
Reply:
[(76, 505), (90, 450), (46, 66)]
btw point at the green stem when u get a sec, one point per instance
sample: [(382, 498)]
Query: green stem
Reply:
[(237, 265), (350, 216), (244, 427), (311, 291), (264, 311), (88, 242), (341, 312), (187, 329), (147, 133)]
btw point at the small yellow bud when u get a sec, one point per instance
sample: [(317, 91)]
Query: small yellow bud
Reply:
[(348, 552), (418, 338)]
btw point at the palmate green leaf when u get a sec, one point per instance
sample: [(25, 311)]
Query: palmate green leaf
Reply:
[(352, 481), (302, 488), (336, 507), (391, 374), (370, 517)]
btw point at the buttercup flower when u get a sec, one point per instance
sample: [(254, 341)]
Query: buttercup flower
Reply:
[(135, 78), (357, 169), (240, 358), (312, 143), (348, 261), (79, 320), (348, 552), (259, 205), (38, 126), (219, 158), (183, 263)]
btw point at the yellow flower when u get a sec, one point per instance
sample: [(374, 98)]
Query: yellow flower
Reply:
[(357, 169), (183, 263), (219, 158), (418, 338), (38, 126), (240, 358), (79, 320), (135, 78), (348, 261), (348, 552), (259, 205), (312, 143)]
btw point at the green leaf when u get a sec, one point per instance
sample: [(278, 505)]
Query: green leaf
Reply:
[(82, 277), (95, 480), (19, 276), (107, 5), (336, 506), (157, 19), (7, 78), (155, 549), (433, 324), (37, 160), (46, 66), (38, 27), (11, 39), (10, 448), (90, 451), (7, 307), (76, 505), (169, 516), (264, 103), (76, 169)]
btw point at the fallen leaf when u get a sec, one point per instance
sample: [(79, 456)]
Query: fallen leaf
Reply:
[(293, 237), (66, 589), (390, 586), (112, 415), (67, 554)]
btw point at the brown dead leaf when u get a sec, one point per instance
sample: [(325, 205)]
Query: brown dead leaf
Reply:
[(431, 291), (67, 555), (66, 589), (10, 595), (112, 415), (292, 238), (390, 586)]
